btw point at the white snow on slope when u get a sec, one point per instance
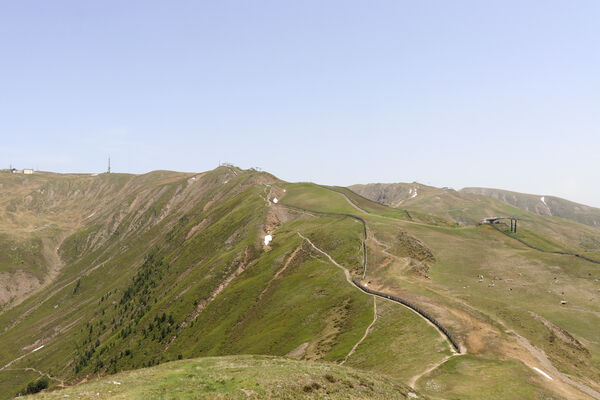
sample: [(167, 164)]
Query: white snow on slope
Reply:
[(37, 348), (543, 373), (268, 239), (413, 192), (543, 199)]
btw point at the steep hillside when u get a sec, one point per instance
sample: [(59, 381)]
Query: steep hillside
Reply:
[(239, 377), (543, 205), (169, 265), (141, 270)]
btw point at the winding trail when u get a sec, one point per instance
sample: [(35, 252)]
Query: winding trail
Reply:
[(346, 272), (538, 354), (454, 347), (367, 331), (435, 366), (280, 271), (21, 357), (356, 282), (41, 373)]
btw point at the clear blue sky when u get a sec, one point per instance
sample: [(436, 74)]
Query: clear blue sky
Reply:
[(450, 93)]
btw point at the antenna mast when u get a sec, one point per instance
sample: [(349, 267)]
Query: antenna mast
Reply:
[(108, 165)]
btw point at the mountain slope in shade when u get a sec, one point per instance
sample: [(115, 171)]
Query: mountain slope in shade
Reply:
[(543, 205)]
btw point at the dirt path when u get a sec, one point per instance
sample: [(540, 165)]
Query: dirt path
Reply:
[(435, 366), (280, 271), (41, 373), (566, 386), (346, 272), (21, 357), (349, 279), (550, 369), (244, 264), (367, 331)]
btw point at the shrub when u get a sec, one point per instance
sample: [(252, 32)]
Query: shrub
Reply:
[(35, 386)]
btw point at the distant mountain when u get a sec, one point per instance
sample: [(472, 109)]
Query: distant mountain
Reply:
[(468, 205), (462, 208), (543, 205)]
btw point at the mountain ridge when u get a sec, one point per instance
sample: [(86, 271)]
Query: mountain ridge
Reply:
[(171, 265), (397, 194)]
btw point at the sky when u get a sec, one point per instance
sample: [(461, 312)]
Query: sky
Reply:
[(448, 93)]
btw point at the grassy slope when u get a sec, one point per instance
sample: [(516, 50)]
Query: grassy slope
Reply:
[(550, 206), (113, 320), (471, 378), (465, 208), (200, 238), (239, 377), (515, 283), (523, 281), (399, 342)]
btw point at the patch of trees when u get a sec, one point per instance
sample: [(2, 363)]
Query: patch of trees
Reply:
[(35, 387), (160, 327), (147, 278), (135, 303)]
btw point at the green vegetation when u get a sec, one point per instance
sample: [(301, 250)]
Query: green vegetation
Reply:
[(239, 377), (137, 271), (500, 379), (35, 387), (550, 206), (399, 342)]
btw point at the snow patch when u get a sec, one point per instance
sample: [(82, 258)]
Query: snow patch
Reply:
[(275, 200), (413, 395), (543, 373), (116, 383), (268, 239), (413, 193), (543, 199), (37, 348)]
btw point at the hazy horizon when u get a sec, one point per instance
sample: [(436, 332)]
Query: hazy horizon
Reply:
[(292, 181), (447, 94)]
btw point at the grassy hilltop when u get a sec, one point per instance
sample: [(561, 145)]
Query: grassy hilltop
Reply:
[(239, 377), (130, 272)]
